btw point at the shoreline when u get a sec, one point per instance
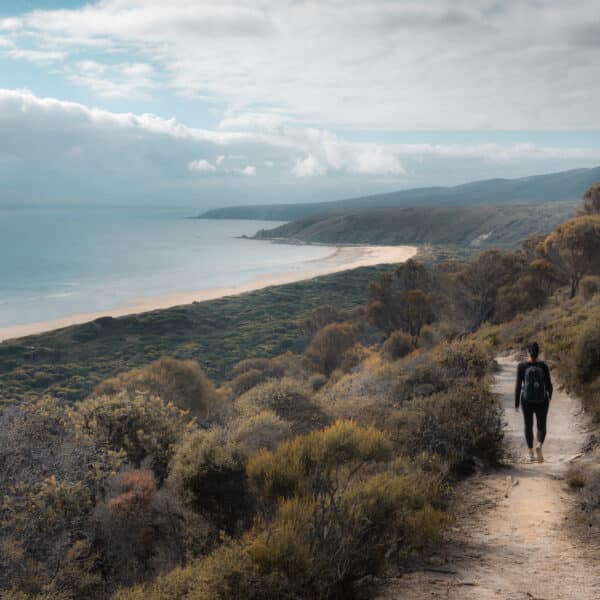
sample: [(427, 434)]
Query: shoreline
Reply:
[(342, 258)]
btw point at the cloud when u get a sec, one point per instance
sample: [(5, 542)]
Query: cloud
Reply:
[(247, 171), (36, 56), (58, 151), (121, 80), (201, 165), (451, 64)]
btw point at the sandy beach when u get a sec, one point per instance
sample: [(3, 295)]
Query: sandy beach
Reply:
[(341, 259)]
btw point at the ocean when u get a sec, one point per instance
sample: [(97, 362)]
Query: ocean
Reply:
[(58, 262)]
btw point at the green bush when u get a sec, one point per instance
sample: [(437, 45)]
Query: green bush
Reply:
[(143, 426), (209, 474), (337, 512)]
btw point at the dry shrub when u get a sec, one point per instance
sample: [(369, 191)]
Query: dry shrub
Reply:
[(317, 381), (288, 399), (336, 513), (397, 345), (142, 426), (136, 490), (264, 430), (586, 353), (589, 286), (246, 381), (462, 425), (575, 478), (463, 359), (329, 345), (181, 382)]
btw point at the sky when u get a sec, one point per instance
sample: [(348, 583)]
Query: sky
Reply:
[(203, 103)]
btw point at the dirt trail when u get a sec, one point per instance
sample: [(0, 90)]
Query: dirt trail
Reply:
[(513, 538)]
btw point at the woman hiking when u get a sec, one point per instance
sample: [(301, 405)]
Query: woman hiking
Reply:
[(533, 392)]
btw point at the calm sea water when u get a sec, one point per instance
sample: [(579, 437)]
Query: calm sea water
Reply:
[(59, 262)]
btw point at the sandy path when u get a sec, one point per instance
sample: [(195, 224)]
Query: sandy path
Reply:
[(514, 541)]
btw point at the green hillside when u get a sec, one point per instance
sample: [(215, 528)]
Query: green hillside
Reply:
[(475, 226), (552, 187)]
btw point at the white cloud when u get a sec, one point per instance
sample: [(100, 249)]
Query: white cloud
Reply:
[(396, 65), (122, 80), (82, 153), (201, 165), (247, 171), (36, 56), (10, 24)]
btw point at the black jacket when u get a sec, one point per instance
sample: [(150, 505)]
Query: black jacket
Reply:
[(521, 376)]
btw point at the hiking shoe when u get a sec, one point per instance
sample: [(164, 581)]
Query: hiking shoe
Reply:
[(538, 454)]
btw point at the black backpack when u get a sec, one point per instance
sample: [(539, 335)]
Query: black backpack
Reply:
[(534, 388)]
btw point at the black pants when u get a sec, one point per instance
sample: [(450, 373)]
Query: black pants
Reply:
[(541, 414)]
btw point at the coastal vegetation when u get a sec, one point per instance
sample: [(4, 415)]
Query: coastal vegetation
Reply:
[(481, 226), (326, 451)]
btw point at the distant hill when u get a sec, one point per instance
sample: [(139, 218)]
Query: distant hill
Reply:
[(553, 187), (480, 226)]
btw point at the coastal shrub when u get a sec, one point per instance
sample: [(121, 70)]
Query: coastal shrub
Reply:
[(181, 382), (586, 353), (317, 381), (318, 461), (320, 317), (142, 426), (429, 337), (589, 286), (462, 425), (246, 381), (397, 345), (337, 513), (463, 359), (591, 200), (573, 248), (228, 573), (288, 399), (266, 366), (263, 430), (328, 346), (142, 530), (522, 295), (209, 474), (51, 475)]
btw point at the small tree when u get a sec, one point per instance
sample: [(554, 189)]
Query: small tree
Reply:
[(329, 345), (573, 248), (591, 201)]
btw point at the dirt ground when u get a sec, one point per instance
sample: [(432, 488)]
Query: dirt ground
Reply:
[(514, 537)]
